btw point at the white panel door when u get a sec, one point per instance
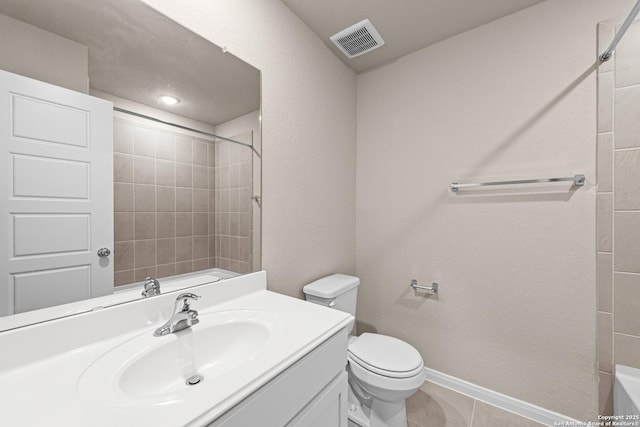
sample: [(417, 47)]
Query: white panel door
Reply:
[(56, 195)]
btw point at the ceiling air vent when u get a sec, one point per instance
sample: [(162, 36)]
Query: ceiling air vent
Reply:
[(358, 39)]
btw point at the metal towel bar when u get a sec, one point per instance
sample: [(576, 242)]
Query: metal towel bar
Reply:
[(578, 180)]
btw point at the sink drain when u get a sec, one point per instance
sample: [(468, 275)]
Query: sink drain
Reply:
[(196, 379)]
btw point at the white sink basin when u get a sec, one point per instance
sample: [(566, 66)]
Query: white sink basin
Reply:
[(154, 370)]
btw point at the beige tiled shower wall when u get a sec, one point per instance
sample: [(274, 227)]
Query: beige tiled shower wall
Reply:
[(233, 222), (163, 207), (618, 209)]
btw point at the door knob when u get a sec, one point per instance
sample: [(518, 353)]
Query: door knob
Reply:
[(104, 252)]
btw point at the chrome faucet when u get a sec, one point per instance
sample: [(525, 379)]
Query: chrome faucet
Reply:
[(183, 316), (151, 287)]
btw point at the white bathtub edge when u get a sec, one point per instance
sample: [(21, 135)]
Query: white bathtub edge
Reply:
[(626, 391)]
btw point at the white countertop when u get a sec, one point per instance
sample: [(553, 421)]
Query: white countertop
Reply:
[(121, 294), (43, 389)]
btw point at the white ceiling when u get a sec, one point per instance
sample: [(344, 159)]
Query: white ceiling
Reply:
[(136, 53), (405, 25)]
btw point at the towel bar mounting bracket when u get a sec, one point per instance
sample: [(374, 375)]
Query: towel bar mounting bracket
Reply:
[(432, 289)]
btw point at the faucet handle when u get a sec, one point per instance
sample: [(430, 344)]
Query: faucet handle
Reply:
[(185, 300), (188, 296)]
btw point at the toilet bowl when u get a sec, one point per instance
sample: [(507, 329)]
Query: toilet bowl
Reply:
[(383, 371)]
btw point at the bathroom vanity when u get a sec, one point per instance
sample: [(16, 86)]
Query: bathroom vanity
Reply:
[(254, 358)]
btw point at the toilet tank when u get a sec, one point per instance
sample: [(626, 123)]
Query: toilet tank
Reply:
[(338, 291)]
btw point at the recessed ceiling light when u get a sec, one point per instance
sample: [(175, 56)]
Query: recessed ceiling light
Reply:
[(168, 99)]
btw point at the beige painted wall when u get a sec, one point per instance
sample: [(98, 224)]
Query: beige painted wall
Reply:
[(44, 56), (308, 133), (513, 99)]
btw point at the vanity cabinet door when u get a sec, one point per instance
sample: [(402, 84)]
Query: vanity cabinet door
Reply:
[(329, 408)]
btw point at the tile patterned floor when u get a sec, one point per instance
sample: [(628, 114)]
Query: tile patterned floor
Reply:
[(435, 406)]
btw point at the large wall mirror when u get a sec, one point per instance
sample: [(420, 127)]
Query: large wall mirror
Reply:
[(181, 187)]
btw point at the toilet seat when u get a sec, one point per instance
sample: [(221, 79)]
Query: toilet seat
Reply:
[(385, 356)]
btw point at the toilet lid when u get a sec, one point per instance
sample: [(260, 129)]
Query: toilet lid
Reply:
[(386, 356)]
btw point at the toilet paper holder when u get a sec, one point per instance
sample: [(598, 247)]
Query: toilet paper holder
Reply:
[(432, 289)]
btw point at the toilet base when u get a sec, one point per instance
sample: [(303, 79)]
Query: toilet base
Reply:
[(388, 414), (374, 412), (357, 409)]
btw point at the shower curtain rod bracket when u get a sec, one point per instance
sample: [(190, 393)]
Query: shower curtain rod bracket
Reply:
[(606, 55)]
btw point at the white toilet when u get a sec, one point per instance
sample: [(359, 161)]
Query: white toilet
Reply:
[(383, 371)]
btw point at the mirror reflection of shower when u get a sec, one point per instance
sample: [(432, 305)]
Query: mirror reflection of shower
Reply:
[(184, 199)]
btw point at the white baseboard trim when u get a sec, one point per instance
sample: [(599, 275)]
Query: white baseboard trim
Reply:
[(518, 407)]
